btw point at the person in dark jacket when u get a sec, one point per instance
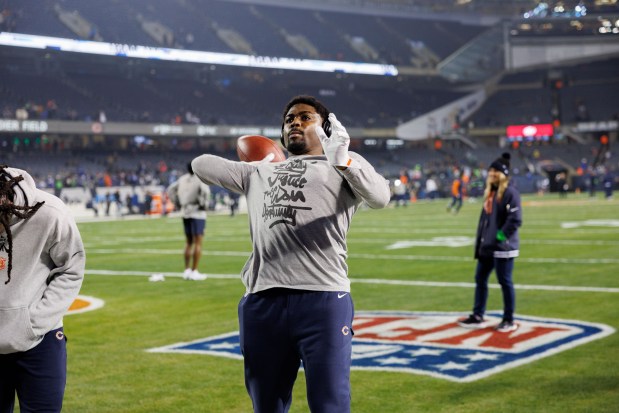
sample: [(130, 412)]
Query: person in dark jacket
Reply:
[(496, 245)]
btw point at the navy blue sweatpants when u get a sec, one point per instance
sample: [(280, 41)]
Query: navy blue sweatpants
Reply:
[(38, 376), (504, 267), (279, 328)]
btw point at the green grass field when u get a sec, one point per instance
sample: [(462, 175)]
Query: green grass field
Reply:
[(110, 371)]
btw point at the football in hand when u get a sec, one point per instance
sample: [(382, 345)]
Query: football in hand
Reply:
[(252, 148)]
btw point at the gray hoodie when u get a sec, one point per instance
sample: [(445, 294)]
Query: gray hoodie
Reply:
[(48, 263)]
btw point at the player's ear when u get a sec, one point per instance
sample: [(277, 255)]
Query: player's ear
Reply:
[(281, 136)]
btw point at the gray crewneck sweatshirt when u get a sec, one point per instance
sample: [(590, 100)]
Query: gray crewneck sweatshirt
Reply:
[(300, 211), (47, 269)]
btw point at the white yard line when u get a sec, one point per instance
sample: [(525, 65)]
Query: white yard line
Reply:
[(388, 257), (382, 282), (96, 242), (466, 259), (472, 285)]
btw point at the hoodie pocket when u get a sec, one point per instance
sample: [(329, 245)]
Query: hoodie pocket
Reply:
[(16, 332)]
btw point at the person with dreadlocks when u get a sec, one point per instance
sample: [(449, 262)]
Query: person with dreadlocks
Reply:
[(42, 264), (497, 245)]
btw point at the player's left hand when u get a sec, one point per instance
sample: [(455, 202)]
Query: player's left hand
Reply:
[(335, 146)]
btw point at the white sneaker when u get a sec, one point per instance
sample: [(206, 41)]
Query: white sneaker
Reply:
[(195, 276), (187, 274), (156, 278)]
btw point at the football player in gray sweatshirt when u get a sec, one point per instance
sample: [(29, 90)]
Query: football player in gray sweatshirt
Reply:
[(297, 307), (41, 271), (192, 196)]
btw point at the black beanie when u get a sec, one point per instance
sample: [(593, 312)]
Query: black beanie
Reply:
[(502, 164)]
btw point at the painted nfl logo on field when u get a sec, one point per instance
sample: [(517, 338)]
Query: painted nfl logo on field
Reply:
[(432, 343)]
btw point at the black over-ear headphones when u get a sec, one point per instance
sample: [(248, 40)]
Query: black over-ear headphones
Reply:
[(326, 126)]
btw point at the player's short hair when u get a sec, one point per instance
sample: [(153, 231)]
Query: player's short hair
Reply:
[(321, 109)]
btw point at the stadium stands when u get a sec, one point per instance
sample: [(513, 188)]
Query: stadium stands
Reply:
[(526, 97), (199, 26), (54, 85), (233, 95)]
